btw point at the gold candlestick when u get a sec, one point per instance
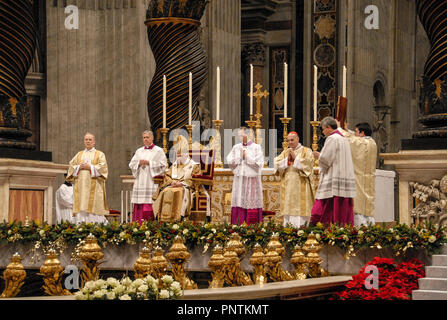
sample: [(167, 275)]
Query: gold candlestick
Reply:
[(218, 158), (251, 124), (285, 122), (190, 127), (315, 125), (165, 131)]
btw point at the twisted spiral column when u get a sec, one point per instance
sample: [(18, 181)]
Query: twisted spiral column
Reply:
[(177, 49), (433, 96), (433, 16), (17, 45)]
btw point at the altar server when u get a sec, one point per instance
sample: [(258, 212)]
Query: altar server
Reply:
[(64, 202), (336, 188), (148, 162), (88, 172), (295, 166), (246, 160), (173, 198), (364, 157)]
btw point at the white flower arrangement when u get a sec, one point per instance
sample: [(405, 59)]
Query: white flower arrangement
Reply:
[(148, 288)]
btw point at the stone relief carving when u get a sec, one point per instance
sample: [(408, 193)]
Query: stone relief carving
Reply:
[(431, 202)]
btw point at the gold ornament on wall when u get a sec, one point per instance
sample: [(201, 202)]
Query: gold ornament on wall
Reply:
[(299, 260), (143, 265), (217, 266), (90, 254), (178, 255), (258, 260), (52, 272), (14, 277)]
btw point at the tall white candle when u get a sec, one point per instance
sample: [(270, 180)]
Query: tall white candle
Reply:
[(218, 94), (315, 91), (251, 89), (285, 90), (344, 81), (190, 98), (164, 102)]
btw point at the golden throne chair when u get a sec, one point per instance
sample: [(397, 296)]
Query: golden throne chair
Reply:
[(201, 182)]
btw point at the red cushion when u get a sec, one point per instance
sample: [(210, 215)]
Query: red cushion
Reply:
[(268, 213)]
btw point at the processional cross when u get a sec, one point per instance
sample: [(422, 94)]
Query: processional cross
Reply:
[(259, 95)]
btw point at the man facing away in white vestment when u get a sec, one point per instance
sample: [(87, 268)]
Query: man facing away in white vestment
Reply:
[(88, 172), (364, 157), (148, 162), (64, 202), (295, 166), (246, 160)]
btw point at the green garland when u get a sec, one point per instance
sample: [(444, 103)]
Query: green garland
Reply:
[(350, 239)]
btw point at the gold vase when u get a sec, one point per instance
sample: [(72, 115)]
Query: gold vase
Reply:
[(257, 260), (274, 267), (313, 259), (14, 277), (299, 260), (234, 276), (90, 254), (178, 255), (52, 272), (159, 264), (143, 265), (236, 244), (275, 244), (217, 266)]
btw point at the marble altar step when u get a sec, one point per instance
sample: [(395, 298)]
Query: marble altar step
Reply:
[(434, 285), (429, 295), (436, 272)]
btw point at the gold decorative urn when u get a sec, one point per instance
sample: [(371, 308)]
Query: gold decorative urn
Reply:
[(90, 254), (217, 266), (257, 260), (143, 265), (312, 247), (236, 244), (159, 263), (178, 255), (52, 272), (274, 243), (14, 277), (274, 267), (299, 260), (234, 276)]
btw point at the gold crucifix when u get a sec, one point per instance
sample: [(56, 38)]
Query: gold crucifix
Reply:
[(259, 95)]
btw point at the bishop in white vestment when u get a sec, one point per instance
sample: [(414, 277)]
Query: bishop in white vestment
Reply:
[(246, 160), (88, 172), (64, 203), (148, 162), (295, 166)]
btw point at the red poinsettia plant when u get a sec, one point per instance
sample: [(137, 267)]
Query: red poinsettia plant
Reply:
[(395, 282)]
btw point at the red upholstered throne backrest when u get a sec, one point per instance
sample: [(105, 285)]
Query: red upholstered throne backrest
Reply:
[(206, 159)]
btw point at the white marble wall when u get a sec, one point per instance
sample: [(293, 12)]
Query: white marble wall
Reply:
[(394, 54)]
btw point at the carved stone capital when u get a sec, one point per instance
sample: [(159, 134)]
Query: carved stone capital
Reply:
[(254, 53)]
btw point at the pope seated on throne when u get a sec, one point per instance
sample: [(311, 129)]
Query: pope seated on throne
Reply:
[(173, 199)]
